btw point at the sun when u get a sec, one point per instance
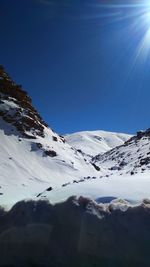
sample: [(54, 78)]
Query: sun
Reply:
[(136, 13)]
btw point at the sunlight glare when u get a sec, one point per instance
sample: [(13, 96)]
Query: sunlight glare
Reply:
[(147, 18), (144, 46)]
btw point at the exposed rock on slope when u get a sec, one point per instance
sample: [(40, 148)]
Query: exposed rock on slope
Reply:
[(16, 108), (37, 162), (33, 157), (132, 157)]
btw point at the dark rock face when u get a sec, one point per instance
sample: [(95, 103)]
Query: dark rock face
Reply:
[(50, 153), (75, 233), (23, 116), (96, 167)]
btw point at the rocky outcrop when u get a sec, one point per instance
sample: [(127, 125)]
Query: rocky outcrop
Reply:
[(16, 108), (132, 157)]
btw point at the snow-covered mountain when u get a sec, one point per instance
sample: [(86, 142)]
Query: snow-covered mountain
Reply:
[(124, 173), (133, 157), (32, 157), (37, 163), (93, 143)]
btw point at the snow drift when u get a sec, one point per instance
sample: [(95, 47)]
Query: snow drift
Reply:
[(78, 232)]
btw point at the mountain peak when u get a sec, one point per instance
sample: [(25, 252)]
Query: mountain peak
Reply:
[(16, 108)]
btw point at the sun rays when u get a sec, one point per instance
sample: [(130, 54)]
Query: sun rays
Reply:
[(136, 15)]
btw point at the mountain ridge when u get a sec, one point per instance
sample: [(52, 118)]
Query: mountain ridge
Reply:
[(37, 163), (96, 142)]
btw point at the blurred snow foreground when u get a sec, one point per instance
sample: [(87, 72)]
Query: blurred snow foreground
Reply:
[(77, 232)]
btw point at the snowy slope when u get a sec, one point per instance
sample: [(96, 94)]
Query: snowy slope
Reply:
[(132, 188), (96, 142), (124, 173), (36, 162), (130, 158), (32, 156), (25, 170)]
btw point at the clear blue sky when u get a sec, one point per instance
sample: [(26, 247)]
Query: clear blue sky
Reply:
[(82, 62)]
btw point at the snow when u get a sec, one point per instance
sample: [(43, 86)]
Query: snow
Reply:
[(132, 188), (96, 142), (78, 232), (24, 172), (7, 105), (130, 157), (28, 173)]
